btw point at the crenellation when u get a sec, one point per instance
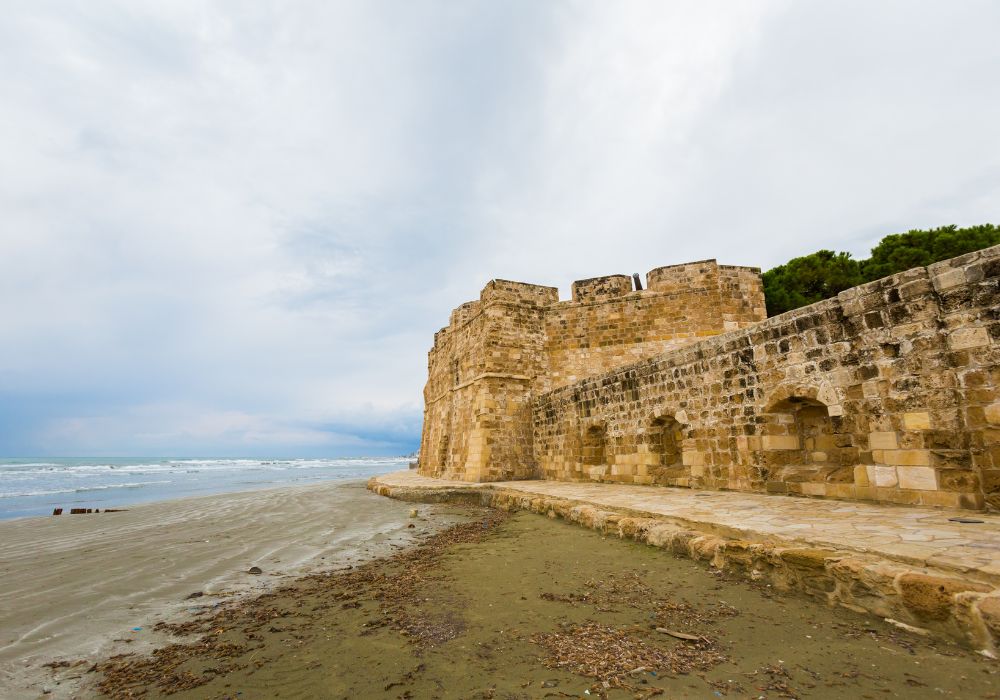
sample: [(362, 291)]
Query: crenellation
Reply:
[(464, 313), (887, 392), (597, 288)]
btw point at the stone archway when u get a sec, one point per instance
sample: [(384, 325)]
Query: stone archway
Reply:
[(665, 442), (803, 441), (594, 448)]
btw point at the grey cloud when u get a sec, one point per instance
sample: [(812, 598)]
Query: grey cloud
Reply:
[(231, 227)]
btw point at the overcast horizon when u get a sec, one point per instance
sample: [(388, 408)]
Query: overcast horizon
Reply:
[(231, 229)]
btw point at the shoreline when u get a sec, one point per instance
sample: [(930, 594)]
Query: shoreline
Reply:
[(515, 605), (189, 497), (30, 489), (79, 586)]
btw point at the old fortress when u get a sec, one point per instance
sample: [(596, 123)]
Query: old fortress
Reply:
[(889, 392)]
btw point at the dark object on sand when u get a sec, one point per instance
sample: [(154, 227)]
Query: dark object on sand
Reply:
[(965, 520), (255, 570), (196, 594), (637, 281), (84, 511)]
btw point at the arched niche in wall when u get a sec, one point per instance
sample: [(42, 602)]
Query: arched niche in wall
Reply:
[(665, 437), (593, 446), (803, 440)]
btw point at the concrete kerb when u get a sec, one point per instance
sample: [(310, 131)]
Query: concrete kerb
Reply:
[(956, 605)]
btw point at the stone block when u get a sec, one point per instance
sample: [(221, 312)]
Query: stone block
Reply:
[(919, 420), (882, 441), (907, 458), (885, 477), (814, 559), (781, 442), (992, 413), (811, 488), (919, 478), (691, 458), (965, 338), (949, 278), (861, 477), (941, 499), (932, 597)]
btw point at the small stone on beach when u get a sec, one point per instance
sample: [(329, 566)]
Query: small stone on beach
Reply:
[(255, 570)]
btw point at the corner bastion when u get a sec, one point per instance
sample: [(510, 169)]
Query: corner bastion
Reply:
[(888, 392)]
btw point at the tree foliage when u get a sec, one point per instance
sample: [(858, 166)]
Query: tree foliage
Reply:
[(811, 278), (903, 251), (823, 274)]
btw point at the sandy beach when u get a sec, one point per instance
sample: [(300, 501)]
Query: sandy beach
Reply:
[(521, 607), (76, 586)]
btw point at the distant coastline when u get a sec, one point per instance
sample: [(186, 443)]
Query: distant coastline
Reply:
[(33, 487)]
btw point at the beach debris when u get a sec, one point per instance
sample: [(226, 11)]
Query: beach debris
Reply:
[(679, 635), (255, 570), (614, 655), (400, 603), (411, 526), (137, 629), (85, 511), (414, 512), (909, 628), (196, 594)]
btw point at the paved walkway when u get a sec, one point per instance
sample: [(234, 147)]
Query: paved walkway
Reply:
[(912, 535)]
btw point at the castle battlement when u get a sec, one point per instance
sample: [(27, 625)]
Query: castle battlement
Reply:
[(519, 339), (889, 391)]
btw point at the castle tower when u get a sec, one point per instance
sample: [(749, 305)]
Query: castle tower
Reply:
[(519, 340)]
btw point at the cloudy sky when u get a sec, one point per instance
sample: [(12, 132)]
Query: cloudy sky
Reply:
[(231, 228)]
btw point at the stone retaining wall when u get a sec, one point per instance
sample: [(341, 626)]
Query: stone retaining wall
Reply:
[(955, 607), (889, 392)]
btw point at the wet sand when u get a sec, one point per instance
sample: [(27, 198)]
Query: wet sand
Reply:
[(528, 607), (75, 586)]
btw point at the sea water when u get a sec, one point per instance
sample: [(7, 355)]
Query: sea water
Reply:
[(37, 486)]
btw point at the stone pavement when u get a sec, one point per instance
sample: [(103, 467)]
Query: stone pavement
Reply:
[(911, 535)]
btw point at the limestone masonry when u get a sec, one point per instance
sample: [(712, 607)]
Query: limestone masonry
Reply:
[(888, 392)]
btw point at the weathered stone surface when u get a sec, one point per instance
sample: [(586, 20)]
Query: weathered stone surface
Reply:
[(808, 558), (989, 611), (932, 597), (888, 392)]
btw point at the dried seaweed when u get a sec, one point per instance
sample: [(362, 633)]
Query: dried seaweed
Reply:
[(615, 656), (392, 586)]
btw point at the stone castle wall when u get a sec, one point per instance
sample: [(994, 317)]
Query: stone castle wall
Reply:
[(888, 392), (519, 340)]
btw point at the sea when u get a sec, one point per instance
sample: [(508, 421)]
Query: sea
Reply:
[(37, 486)]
